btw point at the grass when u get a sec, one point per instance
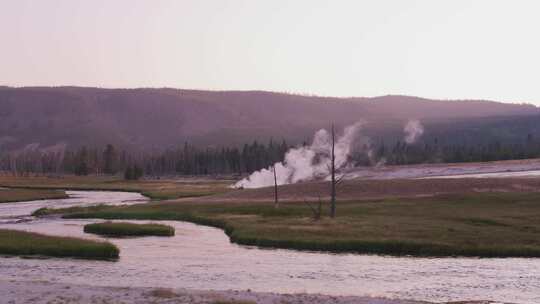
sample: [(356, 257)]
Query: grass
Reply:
[(129, 229), (22, 243), (163, 293), (233, 302), (156, 189), (477, 224), (17, 195)]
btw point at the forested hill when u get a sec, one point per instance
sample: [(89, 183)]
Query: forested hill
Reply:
[(155, 119)]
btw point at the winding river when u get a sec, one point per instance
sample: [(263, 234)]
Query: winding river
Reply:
[(202, 257)]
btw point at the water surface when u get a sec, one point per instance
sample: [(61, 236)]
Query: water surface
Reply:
[(203, 258), (20, 211)]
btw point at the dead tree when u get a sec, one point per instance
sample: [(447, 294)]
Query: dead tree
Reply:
[(333, 176), (334, 181), (276, 201), (316, 212)]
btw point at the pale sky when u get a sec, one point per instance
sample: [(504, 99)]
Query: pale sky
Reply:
[(438, 49)]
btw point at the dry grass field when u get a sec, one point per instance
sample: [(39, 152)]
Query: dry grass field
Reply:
[(15, 195), (155, 189)]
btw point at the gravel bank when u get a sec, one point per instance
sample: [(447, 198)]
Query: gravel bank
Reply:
[(47, 293)]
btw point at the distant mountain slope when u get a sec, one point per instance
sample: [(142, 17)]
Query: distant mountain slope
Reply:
[(160, 118)]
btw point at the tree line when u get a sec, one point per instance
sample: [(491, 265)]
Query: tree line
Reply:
[(433, 150), (191, 160), (184, 160)]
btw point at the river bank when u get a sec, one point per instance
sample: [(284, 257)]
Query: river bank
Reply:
[(8, 195), (39, 292)]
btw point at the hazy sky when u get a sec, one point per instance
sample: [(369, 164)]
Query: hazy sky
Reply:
[(441, 49)]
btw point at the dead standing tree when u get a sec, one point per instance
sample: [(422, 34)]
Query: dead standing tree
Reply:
[(334, 182), (276, 201), (333, 175), (316, 212)]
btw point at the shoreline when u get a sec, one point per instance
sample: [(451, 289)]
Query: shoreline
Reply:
[(49, 292), (15, 195)]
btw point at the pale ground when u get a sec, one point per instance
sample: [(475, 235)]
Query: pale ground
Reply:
[(15, 292), (442, 169)]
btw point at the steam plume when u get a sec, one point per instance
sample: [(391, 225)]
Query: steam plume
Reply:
[(307, 162), (413, 130)]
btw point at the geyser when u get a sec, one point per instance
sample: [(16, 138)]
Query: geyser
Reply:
[(413, 130), (307, 163)]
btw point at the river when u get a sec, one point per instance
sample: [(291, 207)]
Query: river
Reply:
[(202, 257)]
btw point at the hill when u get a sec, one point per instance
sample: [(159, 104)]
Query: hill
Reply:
[(150, 119)]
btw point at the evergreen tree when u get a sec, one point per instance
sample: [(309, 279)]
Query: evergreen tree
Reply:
[(137, 172), (109, 160), (128, 173)]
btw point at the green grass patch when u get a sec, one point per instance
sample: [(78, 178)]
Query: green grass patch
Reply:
[(481, 224), (129, 229), (23, 243), (17, 195)]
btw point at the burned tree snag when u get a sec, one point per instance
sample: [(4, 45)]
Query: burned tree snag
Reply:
[(276, 201), (333, 176)]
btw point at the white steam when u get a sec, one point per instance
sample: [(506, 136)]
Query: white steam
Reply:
[(307, 162), (413, 130)]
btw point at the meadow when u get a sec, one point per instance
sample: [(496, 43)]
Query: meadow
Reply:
[(473, 224)]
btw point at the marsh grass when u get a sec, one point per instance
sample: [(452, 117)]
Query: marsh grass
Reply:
[(17, 195), (163, 293), (129, 229), (481, 224), (23, 243), (155, 189)]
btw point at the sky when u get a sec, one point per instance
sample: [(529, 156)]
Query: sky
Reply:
[(455, 49)]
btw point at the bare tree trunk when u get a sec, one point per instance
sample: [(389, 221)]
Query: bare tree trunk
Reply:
[(319, 209), (276, 201), (333, 172)]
